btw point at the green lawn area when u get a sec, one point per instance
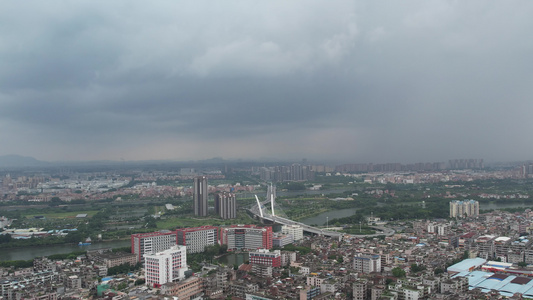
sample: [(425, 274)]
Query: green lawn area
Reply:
[(302, 198), (64, 215), (173, 222)]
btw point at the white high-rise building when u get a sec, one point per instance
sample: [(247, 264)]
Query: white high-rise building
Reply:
[(166, 266), (296, 231), (466, 208)]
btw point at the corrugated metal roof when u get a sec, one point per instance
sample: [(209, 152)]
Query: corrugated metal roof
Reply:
[(467, 264)]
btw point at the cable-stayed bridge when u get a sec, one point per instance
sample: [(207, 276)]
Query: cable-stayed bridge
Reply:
[(276, 214)]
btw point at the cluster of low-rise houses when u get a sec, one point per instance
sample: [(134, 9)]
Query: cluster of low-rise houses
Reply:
[(399, 177), (487, 256), (99, 186), (45, 188)]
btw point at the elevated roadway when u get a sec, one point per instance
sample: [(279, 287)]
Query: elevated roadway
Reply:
[(259, 211)]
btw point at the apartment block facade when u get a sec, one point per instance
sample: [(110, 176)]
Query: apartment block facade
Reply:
[(197, 238), (152, 242), (166, 266)]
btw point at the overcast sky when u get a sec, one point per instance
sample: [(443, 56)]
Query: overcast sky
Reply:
[(359, 81)]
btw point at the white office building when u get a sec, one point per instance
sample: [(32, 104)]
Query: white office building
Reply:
[(166, 266), (296, 231)]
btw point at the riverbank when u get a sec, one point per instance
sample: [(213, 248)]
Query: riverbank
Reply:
[(306, 216), (31, 252)]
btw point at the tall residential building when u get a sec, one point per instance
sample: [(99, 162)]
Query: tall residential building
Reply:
[(225, 205), (367, 263), (466, 208), (166, 266), (152, 242), (200, 196), (246, 237), (197, 238)]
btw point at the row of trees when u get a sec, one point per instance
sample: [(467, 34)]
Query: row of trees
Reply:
[(123, 269), (196, 259)]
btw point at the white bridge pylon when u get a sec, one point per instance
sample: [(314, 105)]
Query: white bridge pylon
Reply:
[(272, 203), (259, 206), (271, 197)]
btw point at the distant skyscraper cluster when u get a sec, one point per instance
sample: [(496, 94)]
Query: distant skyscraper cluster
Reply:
[(200, 196), (294, 172), (225, 203), (466, 208), (456, 164), (526, 170), (390, 167)]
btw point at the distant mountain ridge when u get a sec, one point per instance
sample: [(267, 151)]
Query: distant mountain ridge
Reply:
[(13, 160)]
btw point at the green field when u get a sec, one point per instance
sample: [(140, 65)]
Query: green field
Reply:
[(64, 215), (174, 222)]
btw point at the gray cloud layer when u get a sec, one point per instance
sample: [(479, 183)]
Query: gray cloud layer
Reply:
[(361, 81)]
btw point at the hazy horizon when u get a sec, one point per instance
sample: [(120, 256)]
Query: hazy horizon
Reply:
[(399, 82), (14, 158)]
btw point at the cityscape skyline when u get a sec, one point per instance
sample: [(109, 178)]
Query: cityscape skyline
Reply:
[(350, 81), (18, 160)]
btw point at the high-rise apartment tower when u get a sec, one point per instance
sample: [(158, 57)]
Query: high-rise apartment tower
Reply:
[(200, 196), (225, 205)]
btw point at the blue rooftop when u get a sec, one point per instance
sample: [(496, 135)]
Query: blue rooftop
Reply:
[(467, 265), (506, 285)]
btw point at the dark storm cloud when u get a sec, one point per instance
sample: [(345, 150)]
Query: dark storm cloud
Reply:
[(365, 81)]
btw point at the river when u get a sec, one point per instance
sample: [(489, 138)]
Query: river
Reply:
[(322, 218), (308, 192), (32, 252)]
